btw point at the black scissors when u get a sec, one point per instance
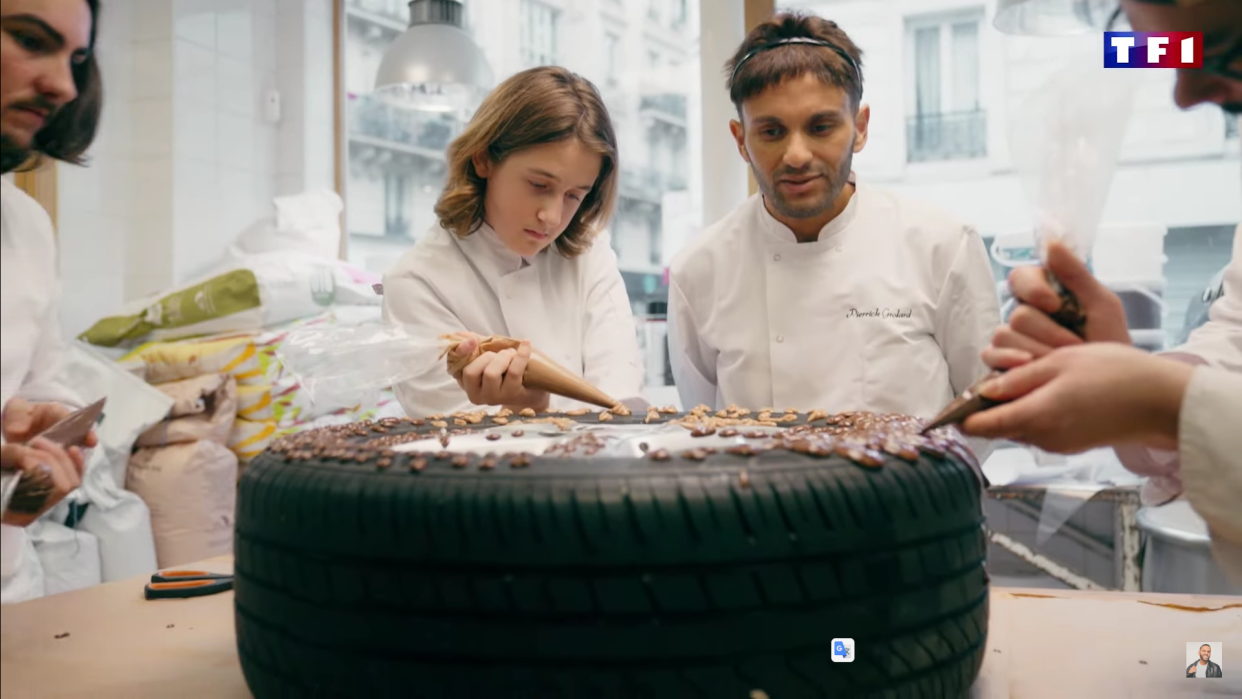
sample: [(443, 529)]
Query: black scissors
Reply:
[(180, 584)]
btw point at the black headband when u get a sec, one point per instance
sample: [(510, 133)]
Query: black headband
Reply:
[(797, 40)]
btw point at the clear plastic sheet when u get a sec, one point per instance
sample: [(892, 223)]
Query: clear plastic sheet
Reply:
[(346, 366), (1064, 140)]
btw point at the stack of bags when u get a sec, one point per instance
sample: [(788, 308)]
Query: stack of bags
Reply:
[(183, 467)]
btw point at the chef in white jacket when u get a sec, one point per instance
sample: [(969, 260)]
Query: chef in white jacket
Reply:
[(821, 292), (50, 99), (1176, 417), (517, 252)]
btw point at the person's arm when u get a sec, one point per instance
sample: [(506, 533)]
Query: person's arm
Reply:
[(693, 364), (610, 357), (967, 312), (411, 303), (1218, 343), (43, 382), (1210, 447)]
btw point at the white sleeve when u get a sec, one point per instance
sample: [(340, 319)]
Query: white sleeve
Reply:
[(1219, 341), (43, 382), (610, 357), (411, 303), (693, 364), (967, 313), (1209, 443)]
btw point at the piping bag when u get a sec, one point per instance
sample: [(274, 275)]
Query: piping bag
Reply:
[(542, 373), (1064, 140), (26, 492)]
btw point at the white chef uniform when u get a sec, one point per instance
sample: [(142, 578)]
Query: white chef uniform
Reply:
[(31, 349), (575, 310), (1218, 344), (888, 310), (1210, 449)]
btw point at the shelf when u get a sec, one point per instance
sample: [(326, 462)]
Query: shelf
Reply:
[(374, 18), (399, 147)]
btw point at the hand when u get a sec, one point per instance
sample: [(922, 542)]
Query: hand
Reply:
[(22, 420), (60, 467), (495, 378), (1031, 330), (1078, 398)]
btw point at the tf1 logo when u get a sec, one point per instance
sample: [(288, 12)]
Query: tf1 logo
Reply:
[(1153, 49)]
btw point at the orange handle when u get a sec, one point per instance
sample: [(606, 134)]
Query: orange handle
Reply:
[(182, 584)]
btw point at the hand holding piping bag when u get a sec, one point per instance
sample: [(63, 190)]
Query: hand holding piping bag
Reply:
[(496, 370)]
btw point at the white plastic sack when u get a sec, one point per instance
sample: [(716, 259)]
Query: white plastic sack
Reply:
[(119, 519), (309, 222), (70, 557), (23, 573), (243, 295)]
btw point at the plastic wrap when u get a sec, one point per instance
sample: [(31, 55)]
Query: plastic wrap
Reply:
[(347, 366), (1064, 140)]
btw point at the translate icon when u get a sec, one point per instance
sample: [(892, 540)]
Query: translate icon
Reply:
[(842, 650)]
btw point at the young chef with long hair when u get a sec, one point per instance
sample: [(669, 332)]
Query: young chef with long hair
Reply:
[(51, 96), (519, 251)]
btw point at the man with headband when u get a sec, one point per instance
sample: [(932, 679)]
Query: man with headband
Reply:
[(1176, 417), (50, 101), (822, 292)]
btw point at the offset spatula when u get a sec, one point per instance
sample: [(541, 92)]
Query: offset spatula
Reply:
[(1068, 316)]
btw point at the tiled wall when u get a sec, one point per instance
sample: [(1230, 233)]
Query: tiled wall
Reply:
[(187, 158)]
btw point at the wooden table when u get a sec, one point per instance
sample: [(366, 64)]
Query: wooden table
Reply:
[(1041, 643)]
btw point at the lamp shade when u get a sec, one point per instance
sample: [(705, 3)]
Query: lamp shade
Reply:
[(434, 65), (1053, 17)]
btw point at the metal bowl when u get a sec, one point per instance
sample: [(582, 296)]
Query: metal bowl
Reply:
[(1177, 556)]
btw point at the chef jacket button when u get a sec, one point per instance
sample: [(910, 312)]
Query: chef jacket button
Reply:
[(839, 248), (780, 338), (776, 257)]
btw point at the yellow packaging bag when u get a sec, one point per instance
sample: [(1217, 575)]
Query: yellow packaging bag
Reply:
[(165, 362), (250, 438), (255, 403)]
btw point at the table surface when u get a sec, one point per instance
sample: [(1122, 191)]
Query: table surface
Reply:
[(107, 641)]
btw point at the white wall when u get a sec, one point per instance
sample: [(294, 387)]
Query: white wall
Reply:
[(185, 159)]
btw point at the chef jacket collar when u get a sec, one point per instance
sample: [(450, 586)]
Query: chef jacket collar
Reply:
[(491, 254), (777, 232)]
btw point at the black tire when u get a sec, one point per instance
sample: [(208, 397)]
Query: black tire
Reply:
[(610, 578)]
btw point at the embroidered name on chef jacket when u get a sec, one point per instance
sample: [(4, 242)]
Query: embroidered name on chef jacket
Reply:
[(880, 313)]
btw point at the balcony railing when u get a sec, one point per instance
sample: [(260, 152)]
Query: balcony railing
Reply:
[(369, 116), (672, 105), (948, 136), (648, 183)]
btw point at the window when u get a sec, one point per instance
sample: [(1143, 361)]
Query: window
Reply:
[(957, 69), (395, 159), (947, 122), (612, 59), (538, 34)]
